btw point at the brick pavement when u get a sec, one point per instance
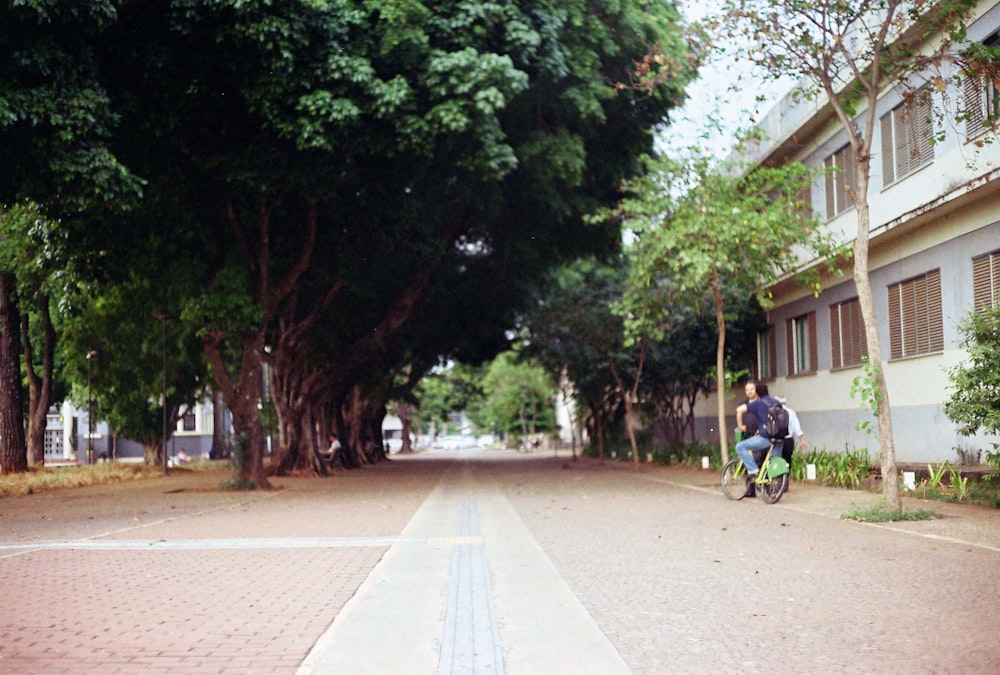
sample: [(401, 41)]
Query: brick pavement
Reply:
[(173, 576), (258, 578)]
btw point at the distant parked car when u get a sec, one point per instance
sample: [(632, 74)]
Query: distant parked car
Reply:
[(455, 442)]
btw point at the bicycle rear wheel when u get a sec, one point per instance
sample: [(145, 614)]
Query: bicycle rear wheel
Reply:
[(772, 490), (735, 483)]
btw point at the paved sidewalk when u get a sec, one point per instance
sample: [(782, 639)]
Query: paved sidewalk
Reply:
[(470, 591), (489, 563)]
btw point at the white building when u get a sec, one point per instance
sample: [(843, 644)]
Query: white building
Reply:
[(934, 256)]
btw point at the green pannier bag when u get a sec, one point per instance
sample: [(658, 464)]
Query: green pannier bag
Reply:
[(777, 467)]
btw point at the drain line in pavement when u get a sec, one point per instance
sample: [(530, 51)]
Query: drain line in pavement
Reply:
[(471, 640)]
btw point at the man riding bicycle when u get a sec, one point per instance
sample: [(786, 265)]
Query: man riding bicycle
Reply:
[(757, 440)]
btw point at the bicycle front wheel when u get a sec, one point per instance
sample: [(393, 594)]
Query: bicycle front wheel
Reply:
[(772, 490), (735, 483)]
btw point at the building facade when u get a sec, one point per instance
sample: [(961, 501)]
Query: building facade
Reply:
[(934, 258)]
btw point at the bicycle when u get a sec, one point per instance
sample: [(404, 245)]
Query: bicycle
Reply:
[(771, 481)]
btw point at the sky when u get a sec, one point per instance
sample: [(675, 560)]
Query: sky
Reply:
[(726, 91)]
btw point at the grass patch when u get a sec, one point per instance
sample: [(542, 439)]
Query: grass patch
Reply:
[(61, 477), (880, 513), (237, 483)]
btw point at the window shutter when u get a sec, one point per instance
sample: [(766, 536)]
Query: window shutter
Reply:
[(813, 346), (831, 185), (908, 308), (772, 349), (888, 155), (895, 322), (975, 106), (836, 350), (934, 313), (790, 346), (906, 138), (924, 123), (986, 281), (916, 322), (855, 334), (920, 129), (899, 145)]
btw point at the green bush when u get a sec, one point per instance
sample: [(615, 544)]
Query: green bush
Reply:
[(847, 469)]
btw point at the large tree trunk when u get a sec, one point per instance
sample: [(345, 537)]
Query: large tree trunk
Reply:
[(39, 388), (376, 412), (890, 481), (597, 414), (405, 412), (13, 454), (241, 396), (357, 429), (299, 453), (294, 393), (219, 447), (151, 451)]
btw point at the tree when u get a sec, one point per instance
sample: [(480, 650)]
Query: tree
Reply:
[(451, 389), (55, 123), (570, 330), (469, 132), (974, 404), (117, 321), (708, 234), (36, 260), (682, 367), (517, 397), (848, 53)]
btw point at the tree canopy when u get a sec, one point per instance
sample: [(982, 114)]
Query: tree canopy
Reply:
[(341, 180), (708, 235)]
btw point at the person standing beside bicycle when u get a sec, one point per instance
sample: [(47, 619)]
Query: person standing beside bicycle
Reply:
[(755, 439), (795, 433)]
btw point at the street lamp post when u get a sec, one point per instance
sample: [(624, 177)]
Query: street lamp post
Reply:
[(91, 355), (164, 316)]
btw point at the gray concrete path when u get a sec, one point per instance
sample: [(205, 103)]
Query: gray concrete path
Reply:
[(469, 590), (490, 563)]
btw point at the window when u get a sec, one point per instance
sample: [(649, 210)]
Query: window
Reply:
[(986, 281), (915, 318), (847, 334), (982, 103), (189, 422), (800, 338), (841, 177), (906, 138), (766, 354)]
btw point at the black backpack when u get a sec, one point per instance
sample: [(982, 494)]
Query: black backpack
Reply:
[(777, 420)]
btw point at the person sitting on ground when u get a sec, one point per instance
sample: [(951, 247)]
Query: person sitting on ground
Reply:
[(759, 440)]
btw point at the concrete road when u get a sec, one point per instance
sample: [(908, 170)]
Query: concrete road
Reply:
[(487, 562)]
